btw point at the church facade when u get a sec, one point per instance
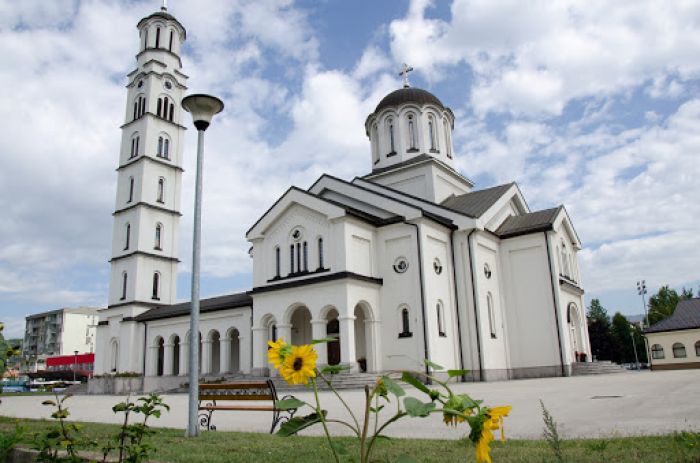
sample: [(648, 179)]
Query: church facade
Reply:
[(406, 263)]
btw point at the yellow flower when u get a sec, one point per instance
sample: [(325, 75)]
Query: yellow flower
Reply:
[(299, 365), (493, 422), (275, 352)]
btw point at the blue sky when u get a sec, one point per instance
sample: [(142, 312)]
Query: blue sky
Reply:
[(590, 104)]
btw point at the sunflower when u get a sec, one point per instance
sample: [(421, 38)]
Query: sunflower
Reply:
[(299, 365), (493, 421), (276, 352)]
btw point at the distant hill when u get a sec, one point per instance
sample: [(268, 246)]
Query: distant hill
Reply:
[(634, 318)]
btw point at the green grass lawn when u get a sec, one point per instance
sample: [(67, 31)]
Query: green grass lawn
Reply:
[(220, 447)]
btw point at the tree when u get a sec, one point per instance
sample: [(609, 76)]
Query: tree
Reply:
[(599, 331), (7, 351), (623, 331), (663, 303)]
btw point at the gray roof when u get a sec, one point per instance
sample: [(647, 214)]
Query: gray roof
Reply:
[(528, 223), (685, 317), (475, 203), (408, 95), (229, 301), (414, 160)]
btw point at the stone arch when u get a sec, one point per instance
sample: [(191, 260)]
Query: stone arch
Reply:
[(365, 342), (175, 342), (300, 325), (159, 347), (331, 315), (234, 350), (214, 340), (574, 320)]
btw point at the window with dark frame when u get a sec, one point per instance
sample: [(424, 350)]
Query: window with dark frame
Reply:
[(157, 37), (697, 349), (405, 324), (679, 350), (128, 236), (440, 320), (657, 352), (156, 284), (306, 257), (170, 43), (159, 231), (124, 281), (491, 315), (161, 190), (291, 259), (277, 262), (131, 189), (320, 253)]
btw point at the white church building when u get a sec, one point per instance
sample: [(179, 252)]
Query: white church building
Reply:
[(406, 263)]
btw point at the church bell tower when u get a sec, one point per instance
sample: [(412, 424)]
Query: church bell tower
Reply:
[(147, 210)]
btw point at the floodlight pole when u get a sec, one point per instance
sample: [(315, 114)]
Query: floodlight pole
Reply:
[(634, 347), (203, 108)]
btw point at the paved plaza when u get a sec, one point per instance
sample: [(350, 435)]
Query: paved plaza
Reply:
[(585, 406)]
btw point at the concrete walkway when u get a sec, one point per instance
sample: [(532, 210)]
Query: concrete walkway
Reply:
[(585, 406)]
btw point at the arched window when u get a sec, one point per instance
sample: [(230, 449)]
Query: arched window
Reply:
[(124, 281), (160, 364), (128, 236), (291, 259), (657, 352), (157, 37), (491, 314), (678, 350), (145, 40), (156, 287), (172, 112), (405, 323), (136, 109), (298, 257), (306, 257), (134, 147), (273, 332), (432, 134), (375, 143), (161, 190), (139, 106), (159, 151), (697, 349), (114, 356), (390, 130), (166, 149), (277, 262), (170, 42), (412, 139), (320, 253), (131, 189), (448, 138), (440, 319), (159, 233)]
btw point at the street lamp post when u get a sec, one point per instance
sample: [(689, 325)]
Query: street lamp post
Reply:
[(202, 108), (634, 347), (75, 363), (642, 291)]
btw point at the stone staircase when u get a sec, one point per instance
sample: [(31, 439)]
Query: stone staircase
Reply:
[(603, 367)]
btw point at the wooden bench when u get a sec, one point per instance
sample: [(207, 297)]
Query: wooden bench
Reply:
[(213, 397)]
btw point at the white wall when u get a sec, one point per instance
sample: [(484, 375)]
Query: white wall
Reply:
[(666, 340)]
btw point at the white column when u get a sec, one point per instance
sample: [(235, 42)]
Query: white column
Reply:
[(285, 332), (224, 354), (168, 360), (347, 341), (318, 331), (206, 357), (374, 354), (259, 350), (245, 356), (152, 361)]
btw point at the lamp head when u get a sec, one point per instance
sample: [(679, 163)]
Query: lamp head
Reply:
[(202, 107)]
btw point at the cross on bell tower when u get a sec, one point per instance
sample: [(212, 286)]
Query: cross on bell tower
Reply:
[(405, 69)]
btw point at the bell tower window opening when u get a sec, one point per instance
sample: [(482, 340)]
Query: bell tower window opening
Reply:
[(306, 257), (320, 253), (145, 39), (277, 262), (159, 108), (124, 282), (157, 37), (375, 144), (440, 319), (448, 138), (159, 151), (136, 110), (433, 135), (405, 324), (291, 259), (159, 233), (412, 140), (170, 42), (128, 236), (156, 287), (161, 190), (171, 115), (131, 189), (166, 149), (298, 257), (491, 315), (392, 145)]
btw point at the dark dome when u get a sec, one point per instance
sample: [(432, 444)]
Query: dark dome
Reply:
[(408, 95)]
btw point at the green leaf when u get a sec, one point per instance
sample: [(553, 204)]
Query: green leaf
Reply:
[(407, 377), (433, 365), (321, 341), (376, 410), (289, 404), (403, 458), (415, 407), (299, 423), (454, 373), (334, 369), (393, 387)]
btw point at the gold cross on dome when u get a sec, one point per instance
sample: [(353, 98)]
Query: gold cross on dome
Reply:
[(404, 73)]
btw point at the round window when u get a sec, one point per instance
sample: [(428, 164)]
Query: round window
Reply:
[(487, 270), (140, 84), (168, 84), (400, 265), (437, 266), (296, 234)]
